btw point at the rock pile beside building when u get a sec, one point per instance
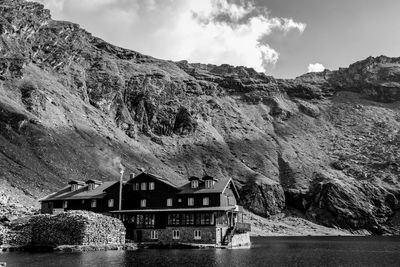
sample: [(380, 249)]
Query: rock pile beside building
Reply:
[(75, 228)]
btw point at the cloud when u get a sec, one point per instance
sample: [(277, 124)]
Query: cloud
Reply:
[(207, 31), (317, 67)]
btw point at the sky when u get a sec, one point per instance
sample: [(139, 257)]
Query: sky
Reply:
[(283, 38)]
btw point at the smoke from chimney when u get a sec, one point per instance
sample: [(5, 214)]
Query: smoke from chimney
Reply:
[(121, 168)]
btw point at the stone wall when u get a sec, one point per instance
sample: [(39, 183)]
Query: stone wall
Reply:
[(208, 234), (3, 233), (76, 228), (17, 234), (239, 240)]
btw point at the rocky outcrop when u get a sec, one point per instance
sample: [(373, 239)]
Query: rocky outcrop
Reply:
[(263, 196), (72, 104)]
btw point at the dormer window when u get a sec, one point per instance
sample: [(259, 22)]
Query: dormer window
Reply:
[(209, 183), (91, 186), (75, 185), (194, 183)]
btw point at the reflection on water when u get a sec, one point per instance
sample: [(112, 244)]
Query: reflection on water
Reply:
[(279, 251)]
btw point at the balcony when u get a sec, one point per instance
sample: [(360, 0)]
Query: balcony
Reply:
[(242, 227)]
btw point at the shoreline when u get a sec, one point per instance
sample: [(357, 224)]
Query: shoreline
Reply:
[(134, 246)]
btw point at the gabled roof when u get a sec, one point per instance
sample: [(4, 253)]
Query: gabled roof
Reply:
[(208, 177), (156, 177), (191, 178), (76, 182), (81, 193), (93, 181), (218, 187)]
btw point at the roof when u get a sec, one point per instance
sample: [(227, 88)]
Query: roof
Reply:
[(218, 187), (93, 181), (184, 209), (208, 177), (156, 177), (82, 193), (76, 182)]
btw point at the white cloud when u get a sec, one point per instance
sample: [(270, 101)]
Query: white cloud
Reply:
[(317, 67), (207, 31)]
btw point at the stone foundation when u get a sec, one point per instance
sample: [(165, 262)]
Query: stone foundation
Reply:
[(165, 236), (240, 240)]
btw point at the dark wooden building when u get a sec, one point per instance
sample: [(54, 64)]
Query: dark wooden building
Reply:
[(92, 195), (202, 211)]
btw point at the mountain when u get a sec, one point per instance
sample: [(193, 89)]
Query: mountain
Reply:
[(73, 106)]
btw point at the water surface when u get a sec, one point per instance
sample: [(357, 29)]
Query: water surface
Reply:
[(266, 251)]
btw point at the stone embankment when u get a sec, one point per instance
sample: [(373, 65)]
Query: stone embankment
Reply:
[(70, 231), (240, 240)]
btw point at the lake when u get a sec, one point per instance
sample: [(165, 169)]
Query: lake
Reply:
[(266, 251)]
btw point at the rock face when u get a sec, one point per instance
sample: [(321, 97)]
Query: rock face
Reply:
[(72, 104)]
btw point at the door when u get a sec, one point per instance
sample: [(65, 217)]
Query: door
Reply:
[(139, 236)]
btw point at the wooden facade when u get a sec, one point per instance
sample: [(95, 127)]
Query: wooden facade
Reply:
[(203, 210)]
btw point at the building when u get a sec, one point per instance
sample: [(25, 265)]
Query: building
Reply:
[(92, 195), (154, 210)]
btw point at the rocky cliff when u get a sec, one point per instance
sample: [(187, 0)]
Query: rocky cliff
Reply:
[(72, 106)]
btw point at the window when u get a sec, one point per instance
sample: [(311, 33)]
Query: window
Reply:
[(209, 183), (144, 220), (151, 186), (195, 184), (93, 203), (173, 219), (154, 234), (206, 201), (188, 219), (140, 221), (74, 187), (204, 219), (190, 201), (65, 204), (197, 234), (136, 186), (91, 186), (111, 203), (143, 186), (176, 234), (179, 200), (143, 203), (169, 202)]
